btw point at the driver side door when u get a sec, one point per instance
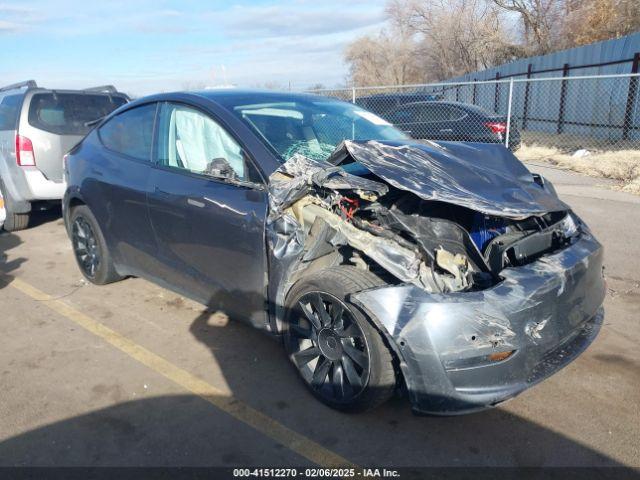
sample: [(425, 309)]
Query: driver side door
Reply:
[(208, 220)]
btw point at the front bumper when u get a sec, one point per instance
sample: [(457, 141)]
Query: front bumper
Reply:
[(547, 312)]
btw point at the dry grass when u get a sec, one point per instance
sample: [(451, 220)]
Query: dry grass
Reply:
[(621, 165)]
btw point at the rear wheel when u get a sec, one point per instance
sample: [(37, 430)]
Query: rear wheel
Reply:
[(339, 354), (16, 221), (12, 221), (90, 248)]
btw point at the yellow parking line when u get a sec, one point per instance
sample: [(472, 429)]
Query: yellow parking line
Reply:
[(246, 414)]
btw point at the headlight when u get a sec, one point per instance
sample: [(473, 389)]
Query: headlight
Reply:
[(569, 226), (582, 226)]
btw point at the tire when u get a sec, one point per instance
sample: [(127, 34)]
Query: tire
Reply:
[(16, 221), (90, 248), (328, 349), (13, 221)]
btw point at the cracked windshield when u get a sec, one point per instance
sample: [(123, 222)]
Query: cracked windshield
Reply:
[(314, 129)]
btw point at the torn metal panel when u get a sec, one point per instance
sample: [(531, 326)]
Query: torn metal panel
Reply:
[(457, 265), (285, 237), (291, 182), (337, 179), (538, 309), (482, 177), (434, 233), (399, 261)]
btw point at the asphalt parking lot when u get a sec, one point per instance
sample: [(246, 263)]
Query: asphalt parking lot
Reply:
[(132, 374)]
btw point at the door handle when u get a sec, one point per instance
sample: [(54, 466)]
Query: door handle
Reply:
[(195, 203), (446, 130)]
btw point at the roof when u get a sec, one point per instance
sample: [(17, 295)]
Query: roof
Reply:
[(233, 96), (414, 94)]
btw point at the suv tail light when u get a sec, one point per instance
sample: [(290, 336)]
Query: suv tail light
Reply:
[(496, 127), (24, 152)]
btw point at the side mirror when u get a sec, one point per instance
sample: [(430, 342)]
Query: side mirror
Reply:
[(221, 168)]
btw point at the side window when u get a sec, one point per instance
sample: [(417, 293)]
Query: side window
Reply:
[(453, 113), (430, 113), (189, 139), (439, 113), (403, 115), (131, 132), (9, 111)]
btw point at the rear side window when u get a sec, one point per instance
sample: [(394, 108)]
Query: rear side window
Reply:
[(438, 113), (68, 113), (9, 111), (403, 115), (454, 113), (131, 132)]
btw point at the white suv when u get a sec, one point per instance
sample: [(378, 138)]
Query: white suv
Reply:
[(37, 127)]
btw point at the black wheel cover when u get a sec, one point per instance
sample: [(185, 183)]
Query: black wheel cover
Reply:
[(85, 246), (328, 347)]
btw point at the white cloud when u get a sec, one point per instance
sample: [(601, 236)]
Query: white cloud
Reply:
[(10, 27)]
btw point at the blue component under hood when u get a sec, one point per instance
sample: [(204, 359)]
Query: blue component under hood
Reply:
[(487, 178)]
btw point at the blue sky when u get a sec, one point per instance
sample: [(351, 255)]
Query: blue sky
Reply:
[(149, 46)]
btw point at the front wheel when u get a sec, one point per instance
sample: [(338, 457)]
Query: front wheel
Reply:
[(337, 352)]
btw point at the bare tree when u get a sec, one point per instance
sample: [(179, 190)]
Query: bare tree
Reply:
[(440, 39), (542, 22), (386, 59), (591, 21), (458, 36), (317, 86)]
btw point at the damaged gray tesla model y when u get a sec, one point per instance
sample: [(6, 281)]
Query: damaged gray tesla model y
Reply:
[(445, 270)]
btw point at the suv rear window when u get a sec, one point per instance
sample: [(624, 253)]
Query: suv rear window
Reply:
[(67, 113)]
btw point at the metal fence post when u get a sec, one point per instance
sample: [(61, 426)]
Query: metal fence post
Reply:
[(563, 95), (631, 98), (474, 90), (497, 93), (353, 94), (510, 101), (525, 110)]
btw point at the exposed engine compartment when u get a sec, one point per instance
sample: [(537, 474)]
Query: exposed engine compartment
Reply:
[(344, 212), (479, 258)]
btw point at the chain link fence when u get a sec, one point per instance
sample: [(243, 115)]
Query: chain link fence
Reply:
[(594, 113)]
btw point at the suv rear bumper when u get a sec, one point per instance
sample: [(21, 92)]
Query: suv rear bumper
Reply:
[(41, 188), (546, 313), (23, 185)]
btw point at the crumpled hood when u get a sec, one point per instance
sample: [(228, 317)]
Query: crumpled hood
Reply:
[(483, 177)]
